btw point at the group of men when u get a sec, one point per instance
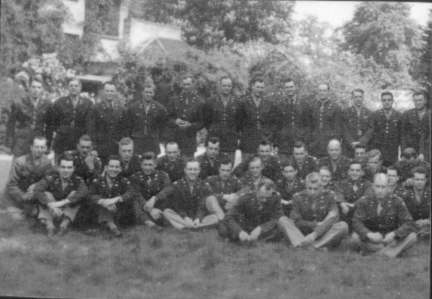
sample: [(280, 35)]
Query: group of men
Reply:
[(336, 173)]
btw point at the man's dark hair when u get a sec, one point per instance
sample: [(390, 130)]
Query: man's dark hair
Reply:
[(225, 160), (409, 152), (355, 162), (388, 93), (113, 158), (264, 142), (299, 144), (148, 156), (257, 78), (287, 79), (192, 160), (66, 156), (362, 146), (392, 168), (225, 77), (40, 137), (212, 140), (84, 137), (419, 169), (287, 162), (358, 90), (109, 83)]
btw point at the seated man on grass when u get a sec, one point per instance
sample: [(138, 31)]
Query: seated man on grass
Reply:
[(130, 162), (254, 176), (25, 172), (382, 222), (113, 195), (173, 162), (59, 195), (189, 200), (315, 213), (288, 185), (418, 201), (255, 216), (151, 185)]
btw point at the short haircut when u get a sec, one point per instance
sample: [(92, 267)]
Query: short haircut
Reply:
[(192, 160), (419, 93), (253, 159), (225, 77), (225, 160), (409, 153), (286, 163), (269, 184), (374, 153), (419, 169), (257, 78), (74, 79), (213, 140), (393, 169), (312, 178), (360, 146), (85, 137), (187, 76), (113, 158), (172, 143), (126, 141), (148, 156), (355, 162), (109, 83), (299, 144), (324, 167), (287, 79), (264, 142), (36, 79), (358, 90), (388, 93), (66, 156), (40, 137)]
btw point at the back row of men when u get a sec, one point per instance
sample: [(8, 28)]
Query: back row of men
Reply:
[(240, 123), (311, 202)]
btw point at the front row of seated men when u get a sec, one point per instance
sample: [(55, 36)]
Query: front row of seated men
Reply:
[(315, 211)]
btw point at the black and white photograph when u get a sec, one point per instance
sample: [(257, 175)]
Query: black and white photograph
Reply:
[(226, 149)]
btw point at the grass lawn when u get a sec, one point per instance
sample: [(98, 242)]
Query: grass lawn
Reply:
[(149, 264)]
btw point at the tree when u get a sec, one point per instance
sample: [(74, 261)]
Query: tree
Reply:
[(384, 32), (209, 23), (426, 58), (29, 27)]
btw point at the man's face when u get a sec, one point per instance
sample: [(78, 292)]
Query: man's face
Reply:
[(289, 172), (380, 187), (187, 84), (264, 151), (290, 88), (313, 189), (148, 166), (360, 154), (192, 170), (374, 163), (126, 152), (258, 88), (66, 169), (419, 102), (387, 102), (355, 172), (264, 192), (323, 91), (109, 92), (392, 177), (84, 147), (226, 86), (38, 148), (357, 98), (325, 177), (148, 93), (419, 181), (36, 89), (255, 168), (225, 171), (74, 87), (299, 154), (172, 151), (334, 150), (213, 149), (113, 168)]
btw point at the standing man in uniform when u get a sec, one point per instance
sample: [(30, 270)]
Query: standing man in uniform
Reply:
[(384, 130), (296, 119), (355, 121), (145, 121), (416, 127), (326, 122), (185, 117), (69, 118), (105, 122), (221, 110), (27, 119), (257, 118)]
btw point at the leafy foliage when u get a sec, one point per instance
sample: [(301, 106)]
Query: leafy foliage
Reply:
[(208, 23), (384, 32), (426, 58), (29, 27)]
